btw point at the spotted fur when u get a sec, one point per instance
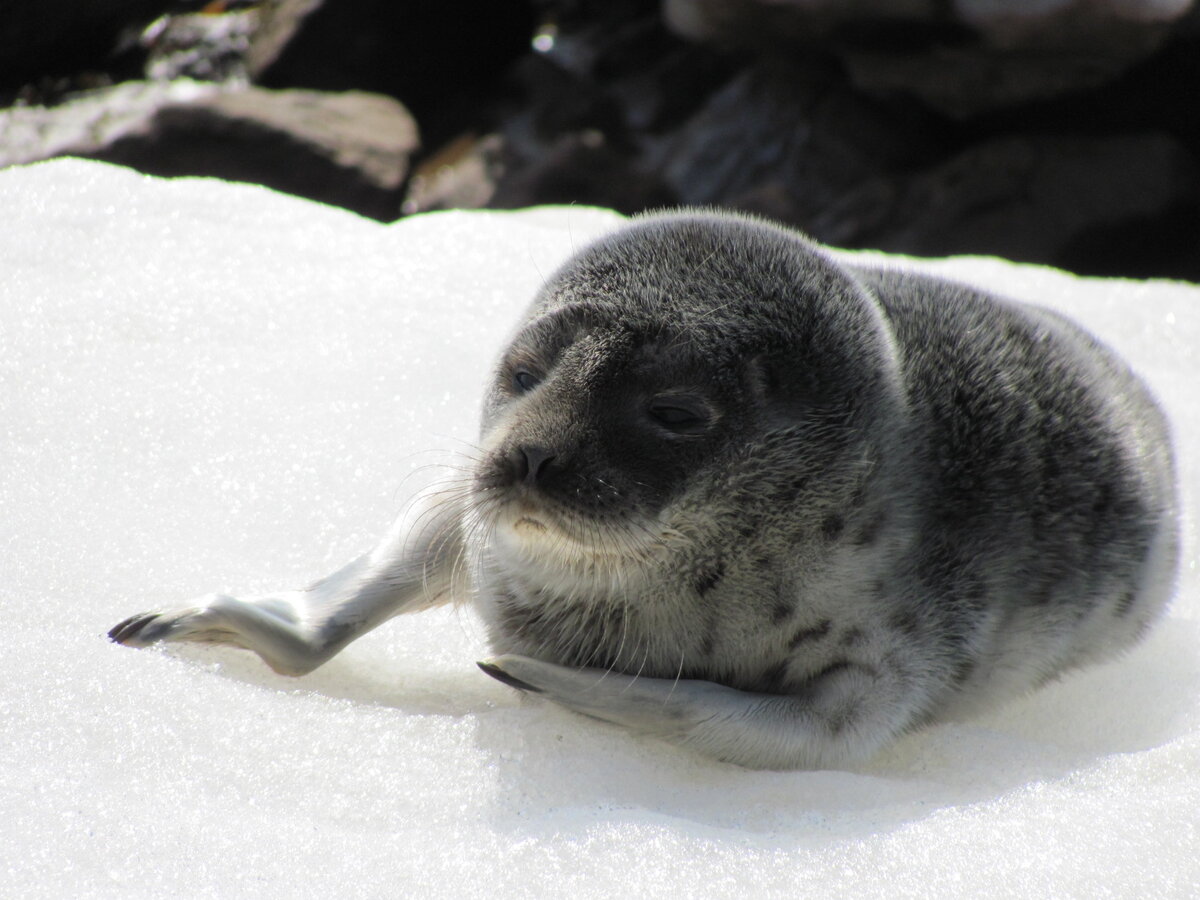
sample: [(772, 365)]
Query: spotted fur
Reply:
[(739, 494)]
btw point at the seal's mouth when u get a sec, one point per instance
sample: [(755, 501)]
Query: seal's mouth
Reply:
[(563, 543), (527, 520), (529, 523), (541, 533)]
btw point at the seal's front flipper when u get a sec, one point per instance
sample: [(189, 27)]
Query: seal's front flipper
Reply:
[(838, 718), (270, 626), (413, 568)]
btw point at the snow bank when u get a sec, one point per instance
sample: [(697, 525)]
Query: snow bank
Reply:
[(208, 386)]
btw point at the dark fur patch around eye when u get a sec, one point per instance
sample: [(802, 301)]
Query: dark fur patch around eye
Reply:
[(525, 380)]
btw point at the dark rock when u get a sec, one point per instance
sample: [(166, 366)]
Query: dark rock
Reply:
[(617, 57), (965, 81), (791, 141), (605, 90), (582, 168), (1099, 179), (461, 175), (1059, 132), (88, 121), (47, 38), (763, 23), (1039, 199), (962, 58), (349, 149), (797, 144), (202, 47), (278, 22), (438, 57)]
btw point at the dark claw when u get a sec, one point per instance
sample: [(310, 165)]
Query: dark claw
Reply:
[(504, 678), (131, 627)]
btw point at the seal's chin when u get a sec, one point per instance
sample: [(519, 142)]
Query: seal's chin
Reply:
[(526, 524), (565, 546)]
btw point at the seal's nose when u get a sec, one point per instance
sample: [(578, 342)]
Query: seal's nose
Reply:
[(533, 463)]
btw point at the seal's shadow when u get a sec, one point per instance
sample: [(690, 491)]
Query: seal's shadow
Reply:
[(1133, 704), (381, 669), (550, 764)]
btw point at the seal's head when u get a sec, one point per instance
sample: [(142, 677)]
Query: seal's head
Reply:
[(681, 383)]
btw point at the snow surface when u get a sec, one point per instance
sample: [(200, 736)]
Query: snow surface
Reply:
[(208, 386)]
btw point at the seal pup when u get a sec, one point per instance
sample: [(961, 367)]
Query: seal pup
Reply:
[(741, 495)]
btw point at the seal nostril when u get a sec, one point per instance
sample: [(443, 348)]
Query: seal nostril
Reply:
[(533, 463)]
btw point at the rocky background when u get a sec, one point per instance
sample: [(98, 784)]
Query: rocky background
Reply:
[(1057, 131)]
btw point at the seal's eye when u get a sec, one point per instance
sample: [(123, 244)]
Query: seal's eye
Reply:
[(525, 381), (681, 415)]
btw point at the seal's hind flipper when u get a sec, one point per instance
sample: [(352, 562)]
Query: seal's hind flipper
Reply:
[(838, 717)]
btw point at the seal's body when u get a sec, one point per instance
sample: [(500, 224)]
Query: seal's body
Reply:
[(745, 497)]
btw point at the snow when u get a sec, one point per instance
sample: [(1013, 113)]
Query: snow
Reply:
[(207, 386)]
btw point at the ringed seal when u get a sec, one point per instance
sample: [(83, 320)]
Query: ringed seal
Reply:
[(746, 497)]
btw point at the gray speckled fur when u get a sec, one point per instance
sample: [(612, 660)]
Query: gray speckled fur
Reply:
[(910, 499), (917, 499)]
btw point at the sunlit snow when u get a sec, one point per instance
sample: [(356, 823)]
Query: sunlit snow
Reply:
[(206, 386)]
